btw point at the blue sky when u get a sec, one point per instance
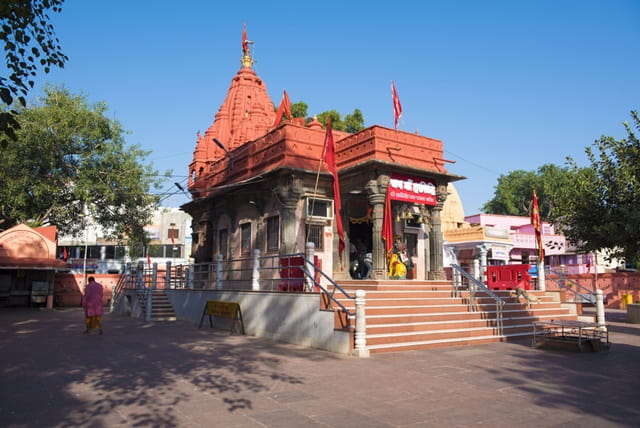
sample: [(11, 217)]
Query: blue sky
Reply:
[(504, 84)]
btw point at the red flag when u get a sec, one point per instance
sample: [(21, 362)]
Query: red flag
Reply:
[(329, 157), (397, 107), (285, 108), (64, 254), (148, 259), (245, 42), (173, 235), (537, 225), (387, 225)]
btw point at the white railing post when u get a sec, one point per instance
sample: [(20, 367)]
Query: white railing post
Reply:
[(600, 311), (255, 273), (361, 326), (310, 251), (541, 281), (219, 272)]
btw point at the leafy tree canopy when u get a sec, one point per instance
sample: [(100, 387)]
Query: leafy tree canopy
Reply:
[(299, 109), (69, 158), (602, 210), (352, 122), (514, 191), (29, 44)]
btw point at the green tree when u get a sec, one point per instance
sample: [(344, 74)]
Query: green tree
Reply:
[(354, 122), (299, 109), (336, 119), (514, 191), (69, 158), (602, 211), (29, 43)]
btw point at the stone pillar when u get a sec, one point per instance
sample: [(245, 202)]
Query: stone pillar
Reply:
[(483, 249), (435, 244), (378, 252), (361, 326), (289, 194)]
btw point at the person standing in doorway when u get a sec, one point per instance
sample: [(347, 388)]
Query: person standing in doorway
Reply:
[(93, 308)]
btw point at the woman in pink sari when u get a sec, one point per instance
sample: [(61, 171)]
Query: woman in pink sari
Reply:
[(92, 303)]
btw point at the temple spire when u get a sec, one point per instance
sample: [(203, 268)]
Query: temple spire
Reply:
[(246, 60)]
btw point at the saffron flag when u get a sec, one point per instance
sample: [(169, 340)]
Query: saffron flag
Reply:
[(245, 42), (173, 235), (283, 109), (148, 259), (397, 107), (537, 225), (387, 225), (329, 157), (65, 256)]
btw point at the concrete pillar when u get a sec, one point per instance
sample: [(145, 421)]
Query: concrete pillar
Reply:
[(361, 326), (310, 251), (600, 311), (255, 273), (541, 280)]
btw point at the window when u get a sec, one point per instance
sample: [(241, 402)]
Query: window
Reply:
[(321, 208), (223, 242), (314, 234), (273, 233), (176, 234), (245, 239)]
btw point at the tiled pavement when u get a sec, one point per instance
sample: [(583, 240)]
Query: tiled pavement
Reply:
[(173, 374)]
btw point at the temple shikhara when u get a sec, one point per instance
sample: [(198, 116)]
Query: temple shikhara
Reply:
[(258, 184)]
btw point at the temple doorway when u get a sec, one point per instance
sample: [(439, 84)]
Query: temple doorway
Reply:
[(361, 247)]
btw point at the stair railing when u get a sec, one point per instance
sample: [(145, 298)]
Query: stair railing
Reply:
[(116, 292), (473, 286), (562, 280)]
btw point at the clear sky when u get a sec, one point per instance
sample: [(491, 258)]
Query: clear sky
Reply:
[(504, 84)]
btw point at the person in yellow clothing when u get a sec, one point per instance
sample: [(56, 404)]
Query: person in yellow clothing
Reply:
[(93, 308)]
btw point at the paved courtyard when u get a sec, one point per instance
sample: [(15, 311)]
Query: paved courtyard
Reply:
[(173, 374)]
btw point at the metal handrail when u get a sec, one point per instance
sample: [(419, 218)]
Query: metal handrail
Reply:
[(117, 290), (326, 292), (473, 286), (562, 284)]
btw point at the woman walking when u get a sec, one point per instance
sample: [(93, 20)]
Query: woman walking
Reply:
[(92, 303)]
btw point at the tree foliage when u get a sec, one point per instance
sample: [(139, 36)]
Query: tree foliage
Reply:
[(30, 43), (602, 210), (299, 109), (352, 122), (514, 191), (69, 158)]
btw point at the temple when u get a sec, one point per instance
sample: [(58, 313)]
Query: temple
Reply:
[(262, 186)]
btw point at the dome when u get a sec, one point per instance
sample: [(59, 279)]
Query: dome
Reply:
[(452, 216)]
